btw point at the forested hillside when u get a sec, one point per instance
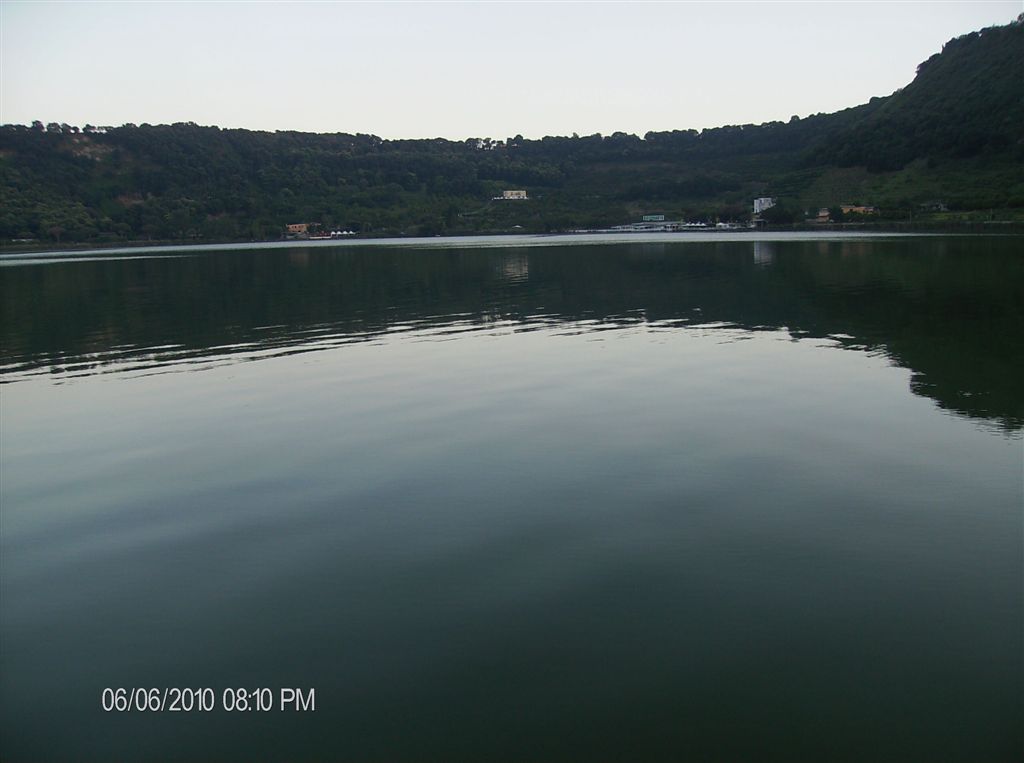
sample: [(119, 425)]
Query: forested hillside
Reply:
[(951, 140)]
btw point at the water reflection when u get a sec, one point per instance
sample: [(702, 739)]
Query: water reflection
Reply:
[(946, 308), (764, 252), (557, 504)]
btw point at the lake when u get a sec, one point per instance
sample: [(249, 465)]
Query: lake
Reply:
[(686, 497)]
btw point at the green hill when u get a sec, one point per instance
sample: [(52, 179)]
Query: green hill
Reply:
[(947, 145), (966, 101)]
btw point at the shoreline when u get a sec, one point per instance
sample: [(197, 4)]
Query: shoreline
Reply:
[(873, 229)]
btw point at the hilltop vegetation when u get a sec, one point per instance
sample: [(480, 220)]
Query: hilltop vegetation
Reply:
[(951, 140)]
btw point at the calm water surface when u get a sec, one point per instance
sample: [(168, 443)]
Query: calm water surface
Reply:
[(667, 500)]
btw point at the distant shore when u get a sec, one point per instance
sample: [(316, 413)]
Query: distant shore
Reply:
[(986, 227)]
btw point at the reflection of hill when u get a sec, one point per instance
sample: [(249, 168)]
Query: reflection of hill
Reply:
[(948, 309)]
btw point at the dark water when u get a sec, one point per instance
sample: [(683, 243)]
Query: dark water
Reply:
[(702, 501)]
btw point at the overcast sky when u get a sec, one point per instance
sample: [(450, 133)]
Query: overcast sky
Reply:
[(464, 69)]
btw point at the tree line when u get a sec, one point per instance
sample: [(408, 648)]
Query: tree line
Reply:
[(953, 134)]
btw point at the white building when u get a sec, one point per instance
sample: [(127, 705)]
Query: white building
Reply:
[(765, 202), (513, 194)]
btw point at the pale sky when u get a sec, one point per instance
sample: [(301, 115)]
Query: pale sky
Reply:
[(464, 69)]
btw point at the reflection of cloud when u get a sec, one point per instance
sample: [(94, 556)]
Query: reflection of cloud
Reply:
[(764, 253)]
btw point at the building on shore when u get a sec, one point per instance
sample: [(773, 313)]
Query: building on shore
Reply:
[(763, 203), (667, 226), (511, 196)]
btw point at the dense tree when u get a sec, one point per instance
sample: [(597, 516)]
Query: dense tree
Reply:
[(781, 214), (965, 101), (959, 121)]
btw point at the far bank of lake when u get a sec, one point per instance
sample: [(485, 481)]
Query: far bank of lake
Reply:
[(987, 228)]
